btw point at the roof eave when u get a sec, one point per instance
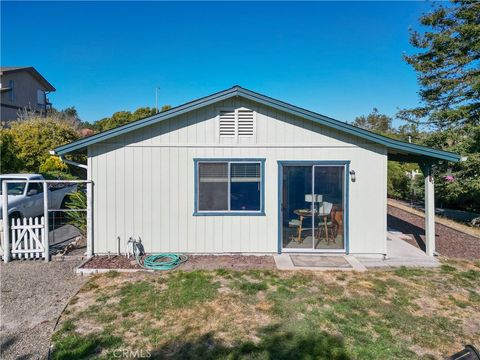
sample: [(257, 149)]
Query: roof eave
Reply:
[(353, 130), (34, 73), (67, 148), (413, 149)]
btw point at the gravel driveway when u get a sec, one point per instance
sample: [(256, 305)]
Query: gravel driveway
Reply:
[(448, 242), (33, 294)]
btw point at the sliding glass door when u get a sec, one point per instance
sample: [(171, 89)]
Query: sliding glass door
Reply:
[(312, 207)]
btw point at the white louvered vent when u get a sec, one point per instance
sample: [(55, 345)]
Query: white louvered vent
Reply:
[(245, 122), (227, 123), (238, 123)]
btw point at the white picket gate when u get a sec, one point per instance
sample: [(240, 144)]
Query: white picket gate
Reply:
[(28, 238)]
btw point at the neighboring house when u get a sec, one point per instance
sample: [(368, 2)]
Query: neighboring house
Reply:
[(240, 172), (22, 88)]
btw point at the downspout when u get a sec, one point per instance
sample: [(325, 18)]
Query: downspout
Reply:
[(52, 152)]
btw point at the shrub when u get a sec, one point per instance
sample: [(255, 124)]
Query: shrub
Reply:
[(9, 161), (36, 136), (53, 163), (77, 200)]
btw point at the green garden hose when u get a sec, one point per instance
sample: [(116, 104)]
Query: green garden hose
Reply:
[(161, 261), (157, 261)]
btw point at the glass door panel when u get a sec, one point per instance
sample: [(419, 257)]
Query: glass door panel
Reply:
[(328, 191), (297, 229), (313, 207)]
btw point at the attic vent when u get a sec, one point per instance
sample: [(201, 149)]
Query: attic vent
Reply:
[(227, 123), (236, 123), (245, 123)]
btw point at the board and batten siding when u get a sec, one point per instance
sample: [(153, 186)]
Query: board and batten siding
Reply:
[(144, 183)]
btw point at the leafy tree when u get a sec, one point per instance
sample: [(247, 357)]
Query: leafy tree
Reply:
[(458, 185), (448, 66), (461, 189), (35, 137), (67, 113), (142, 113), (124, 117), (117, 119), (397, 181), (410, 132), (399, 184), (374, 122)]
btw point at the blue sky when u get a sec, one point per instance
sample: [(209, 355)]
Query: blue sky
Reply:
[(340, 59)]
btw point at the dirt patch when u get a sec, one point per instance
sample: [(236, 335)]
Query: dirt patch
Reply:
[(195, 262), (111, 262), (448, 242), (235, 262)]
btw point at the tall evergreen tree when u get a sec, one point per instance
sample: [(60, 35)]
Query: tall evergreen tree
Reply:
[(448, 66)]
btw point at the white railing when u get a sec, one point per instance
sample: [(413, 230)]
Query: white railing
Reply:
[(8, 245), (28, 238)]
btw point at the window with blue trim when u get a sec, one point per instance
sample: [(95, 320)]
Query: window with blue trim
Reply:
[(229, 186)]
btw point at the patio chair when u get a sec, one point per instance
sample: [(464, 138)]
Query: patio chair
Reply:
[(296, 223), (328, 224)]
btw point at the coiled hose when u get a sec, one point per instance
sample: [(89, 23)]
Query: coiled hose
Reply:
[(162, 261)]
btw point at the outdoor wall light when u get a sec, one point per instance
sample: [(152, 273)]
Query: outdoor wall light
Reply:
[(352, 175)]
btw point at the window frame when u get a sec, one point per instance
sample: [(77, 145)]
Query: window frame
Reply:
[(229, 161), (11, 85), (41, 93)]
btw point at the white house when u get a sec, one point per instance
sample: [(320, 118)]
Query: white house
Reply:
[(240, 172)]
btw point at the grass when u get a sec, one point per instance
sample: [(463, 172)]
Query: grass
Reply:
[(263, 314), (180, 290), (70, 345)]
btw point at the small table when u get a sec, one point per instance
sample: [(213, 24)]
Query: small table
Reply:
[(302, 213)]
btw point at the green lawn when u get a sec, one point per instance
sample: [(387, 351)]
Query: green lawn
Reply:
[(260, 314)]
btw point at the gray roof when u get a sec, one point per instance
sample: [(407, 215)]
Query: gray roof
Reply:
[(12, 68), (32, 71), (398, 150)]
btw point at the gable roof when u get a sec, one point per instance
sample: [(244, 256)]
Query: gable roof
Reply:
[(32, 71), (396, 149)]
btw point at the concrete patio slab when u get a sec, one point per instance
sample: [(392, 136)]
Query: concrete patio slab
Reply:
[(400, 253)]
